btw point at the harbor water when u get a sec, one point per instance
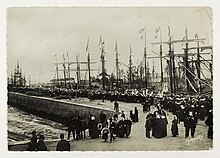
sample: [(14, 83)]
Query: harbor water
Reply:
[(21, 124)]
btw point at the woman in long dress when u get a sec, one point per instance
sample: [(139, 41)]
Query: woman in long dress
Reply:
[(174, 127)]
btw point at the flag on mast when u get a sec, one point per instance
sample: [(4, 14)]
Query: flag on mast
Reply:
[(157, 29), (196, 35), (116, 46), (157, 32), (169, 31), (142, 31), (100, 41), (87, 45)]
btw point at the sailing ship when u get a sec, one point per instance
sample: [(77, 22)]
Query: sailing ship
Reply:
[(183, 72)]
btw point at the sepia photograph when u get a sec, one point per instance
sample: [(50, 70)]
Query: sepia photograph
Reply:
[(109, 78)]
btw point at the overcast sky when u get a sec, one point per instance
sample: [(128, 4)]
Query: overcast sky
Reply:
[(35, 35)]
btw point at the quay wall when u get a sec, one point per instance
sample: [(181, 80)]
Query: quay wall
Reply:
[(56, 110)]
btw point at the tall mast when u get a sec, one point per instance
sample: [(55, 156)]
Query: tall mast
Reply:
[(145, 58), (64, 71), (57, 71), (78, 71), (174, 70), (198, 66), (186, 62), (161, 62), (148, 71), (68, 71), (88, 60), (103, 63), (130, 68), (117, 64), (153, 72), (170, 61)]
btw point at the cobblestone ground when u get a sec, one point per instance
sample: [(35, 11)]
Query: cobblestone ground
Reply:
[(137, 140)]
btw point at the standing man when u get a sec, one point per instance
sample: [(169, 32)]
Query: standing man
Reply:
[(174, 127), (32, 145), (148, 125), (63, 145), (123, 114), (116, 106), (41, 146), (190, 124), (131, 115), (209, 122), (102, 117), (71, 127), (135, 115), (112, 129)]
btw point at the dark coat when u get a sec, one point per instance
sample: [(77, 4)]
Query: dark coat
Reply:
[(160, 128), (190, 122), (102, 117), (174, 127), (94, 133), (148, 124), (41, 146), (135, 115), (63, 145), (209, 120), (34, 139), (32, 145)]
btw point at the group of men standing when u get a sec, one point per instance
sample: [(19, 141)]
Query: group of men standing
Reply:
[(37, 143)]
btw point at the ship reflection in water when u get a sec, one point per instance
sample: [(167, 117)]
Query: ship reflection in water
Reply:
[(21, 124)]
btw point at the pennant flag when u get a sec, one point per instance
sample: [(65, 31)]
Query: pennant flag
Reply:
[(169, 31), (116, 46), (196, 35), (100, 40), (87, 45), (103, 44), (157, 29), (186, 31), (141, 32)]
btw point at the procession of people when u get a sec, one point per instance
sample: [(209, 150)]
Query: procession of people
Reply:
[(184, 108)]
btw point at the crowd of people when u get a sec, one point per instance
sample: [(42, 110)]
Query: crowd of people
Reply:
[(117, 125), (185, 108), (60, 93), (102, 127)]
